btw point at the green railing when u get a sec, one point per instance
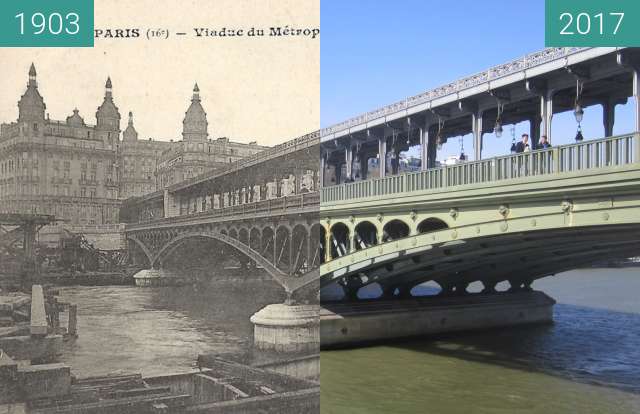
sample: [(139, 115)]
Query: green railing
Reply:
[(601, 153)]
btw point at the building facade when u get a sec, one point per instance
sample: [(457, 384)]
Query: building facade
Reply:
[(196, 153), (80, 172)]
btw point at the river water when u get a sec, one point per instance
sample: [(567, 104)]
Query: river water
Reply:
[(588, 361), (123, 329)]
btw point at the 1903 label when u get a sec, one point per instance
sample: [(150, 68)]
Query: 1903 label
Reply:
[(47, 23)]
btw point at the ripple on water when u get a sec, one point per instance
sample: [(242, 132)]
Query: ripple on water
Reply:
[(586, 362)]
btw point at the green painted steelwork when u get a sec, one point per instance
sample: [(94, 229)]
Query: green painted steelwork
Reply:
[(602, 153), (567, 206)]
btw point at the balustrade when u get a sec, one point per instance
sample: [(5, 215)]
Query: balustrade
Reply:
[(602, 153), (272, 206)]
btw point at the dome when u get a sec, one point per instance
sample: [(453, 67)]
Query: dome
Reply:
[(108, 109), (195, 121), (108, 114), (75, 119), (130, 134), (31, 105)]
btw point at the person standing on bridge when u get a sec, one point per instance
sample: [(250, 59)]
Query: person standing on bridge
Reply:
[(544, 142), (523, 145)]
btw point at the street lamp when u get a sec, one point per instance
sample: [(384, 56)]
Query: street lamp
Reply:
[(497, 129), (462, 157), (439, 138), (579, 113)]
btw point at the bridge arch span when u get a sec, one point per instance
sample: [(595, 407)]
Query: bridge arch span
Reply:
[(255, 238), (276, 274), (243, 235), (283, 225), (431, 224), (142, 247), (395, 229), (366, 235), (340, 233)]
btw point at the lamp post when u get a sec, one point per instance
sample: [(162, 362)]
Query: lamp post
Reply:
[(497, 129), (439, 137), (578, 112), (462, 157)]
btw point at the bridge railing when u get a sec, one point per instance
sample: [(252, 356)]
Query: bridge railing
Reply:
[(601, 153), (272, 206)]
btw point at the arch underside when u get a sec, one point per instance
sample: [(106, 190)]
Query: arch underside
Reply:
[(291, 284), (519, 257)]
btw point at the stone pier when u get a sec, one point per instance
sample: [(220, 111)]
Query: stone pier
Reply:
[(287, 328), (356, 323)]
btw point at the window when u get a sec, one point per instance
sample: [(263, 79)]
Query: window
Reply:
[(83, 192)]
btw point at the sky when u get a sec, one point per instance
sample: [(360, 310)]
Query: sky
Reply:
[(376, 53)]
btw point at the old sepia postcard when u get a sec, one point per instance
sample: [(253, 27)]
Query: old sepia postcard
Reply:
[(159, 199)]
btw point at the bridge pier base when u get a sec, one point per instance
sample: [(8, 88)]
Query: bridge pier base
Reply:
[(287, 328), (348, 324)]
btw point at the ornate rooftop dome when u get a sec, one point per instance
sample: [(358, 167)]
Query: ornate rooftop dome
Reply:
[(195, 123), (75, 119), (31, 105), (130, 134), (108, 114)]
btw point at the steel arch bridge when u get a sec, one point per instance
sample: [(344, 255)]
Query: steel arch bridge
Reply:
[(283, 240), (541, 217)]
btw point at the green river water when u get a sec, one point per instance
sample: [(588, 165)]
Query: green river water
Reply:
[(588, 361)]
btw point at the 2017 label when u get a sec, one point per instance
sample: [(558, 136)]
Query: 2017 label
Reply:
[(592, 23)]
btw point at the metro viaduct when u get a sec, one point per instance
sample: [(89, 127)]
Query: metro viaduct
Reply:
[(279, 233), (533, 88), (485, 221), (480, 202)]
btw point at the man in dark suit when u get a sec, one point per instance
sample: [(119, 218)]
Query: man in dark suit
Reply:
[(523, 145)]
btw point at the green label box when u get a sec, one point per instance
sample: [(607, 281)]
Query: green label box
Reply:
[(591, 23), (46, 23)]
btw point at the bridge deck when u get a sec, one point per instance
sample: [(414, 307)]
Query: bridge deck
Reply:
[(16, 219), (588, 155)]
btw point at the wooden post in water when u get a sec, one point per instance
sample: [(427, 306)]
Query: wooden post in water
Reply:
[(72, 329)]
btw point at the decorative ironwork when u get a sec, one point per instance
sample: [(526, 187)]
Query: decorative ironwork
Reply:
[(496, 72)]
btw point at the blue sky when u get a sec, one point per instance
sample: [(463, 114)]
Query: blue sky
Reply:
[(377, 52)]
